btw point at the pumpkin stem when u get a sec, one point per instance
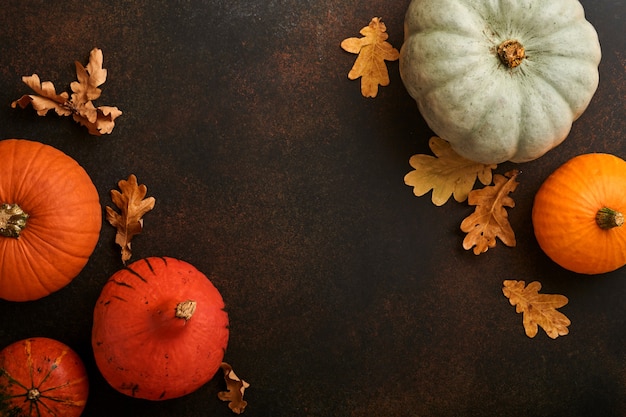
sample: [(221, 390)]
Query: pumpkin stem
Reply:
[(511, 53), (608, 218), (185, 309), (12, 220), (33, 394)]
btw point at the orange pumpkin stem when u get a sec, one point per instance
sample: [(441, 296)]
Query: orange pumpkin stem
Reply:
[(608, 218), (511, 53), (185, 309), (12, 220)]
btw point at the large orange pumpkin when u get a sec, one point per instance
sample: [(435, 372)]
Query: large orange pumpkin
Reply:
[(50, 219), (159, 329), (42, 377), (578, 214)]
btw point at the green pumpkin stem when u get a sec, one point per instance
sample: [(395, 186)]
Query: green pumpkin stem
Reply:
[(185, 309), (511, 53), (608, 218), (12, 220)]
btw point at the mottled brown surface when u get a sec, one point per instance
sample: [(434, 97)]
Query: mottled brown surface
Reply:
[(348, 296)]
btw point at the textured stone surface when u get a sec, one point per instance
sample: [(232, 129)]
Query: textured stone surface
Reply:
[(347, 295)]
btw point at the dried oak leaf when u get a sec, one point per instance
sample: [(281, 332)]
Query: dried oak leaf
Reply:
[(538, 309), (47, 98), (373, 50), (490, 218), (235, 388), (98, 120), (133, 206), (447, 173)]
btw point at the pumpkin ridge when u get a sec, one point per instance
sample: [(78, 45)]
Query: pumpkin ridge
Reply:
[(563, 94), (147, 262), (4, 373), (122, 284), (449, 84), (49, 285), (27, 266), (562, 91), (50, 248), (18, 154), (53, 158), (485, 120), (432, 18), (137, 274), (536, 107), (38, 403), (53, 367), (67, 207)]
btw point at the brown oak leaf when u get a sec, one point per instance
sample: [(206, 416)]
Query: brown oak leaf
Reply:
[(235, 388), (133, 206), (47, 98), (373, 50), (490, 218), (98, 120), (447, 173), (538, 309)]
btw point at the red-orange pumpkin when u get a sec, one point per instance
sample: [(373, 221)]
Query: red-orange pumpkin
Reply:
[(578, 214), (159, 329), (42, 377), (50, 219)]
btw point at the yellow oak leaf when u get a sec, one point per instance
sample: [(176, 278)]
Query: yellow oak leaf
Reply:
[(446, 173), (538, 309), (490, 218), (133, 206), (98, 120), (373, 50)]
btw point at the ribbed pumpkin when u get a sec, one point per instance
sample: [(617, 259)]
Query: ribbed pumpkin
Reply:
[(159, 330), (42, 377), (500, 80), (50, 219), (578, 214)]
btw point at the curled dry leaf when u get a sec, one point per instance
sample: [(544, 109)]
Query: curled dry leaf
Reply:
[(98, 120), (538, 309), (235, 388), (447, 173), (133, 206), (373, 50), (490, 218)]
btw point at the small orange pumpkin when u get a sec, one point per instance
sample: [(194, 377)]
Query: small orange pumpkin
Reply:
[(50, 219), (578, 214), (159, 329), (42, 377)]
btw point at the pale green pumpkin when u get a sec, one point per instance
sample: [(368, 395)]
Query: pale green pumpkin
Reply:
[(501, 80)]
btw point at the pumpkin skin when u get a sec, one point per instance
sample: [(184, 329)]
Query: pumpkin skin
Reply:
[(143, 347), (42, 377), (491, 112), (569, 218), (63, 224)]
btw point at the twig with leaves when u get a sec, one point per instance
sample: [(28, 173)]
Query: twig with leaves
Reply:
[(98, 120)]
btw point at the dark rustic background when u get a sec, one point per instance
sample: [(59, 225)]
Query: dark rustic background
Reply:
[(347, 295)]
